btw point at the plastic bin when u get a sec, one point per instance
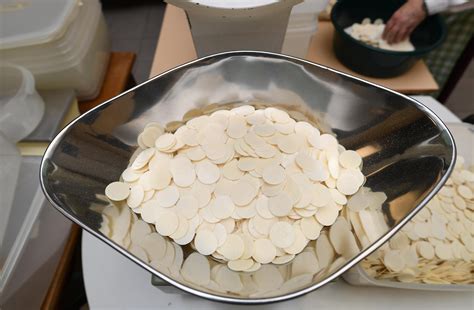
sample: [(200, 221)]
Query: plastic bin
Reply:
[(302, 25), (63, 43), (464, 137), (34, 234), (59, 50), (297, 40), (85, 73), (21, 110), (222, 25)]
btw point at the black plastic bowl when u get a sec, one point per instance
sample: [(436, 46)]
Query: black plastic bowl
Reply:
[(371, 61)]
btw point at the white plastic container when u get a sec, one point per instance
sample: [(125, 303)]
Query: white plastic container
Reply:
[(464, 137), (223, 25), (21, 110), (63, 43), (58, 50), (84, 72), (297, 40), (302, 25), (36, 235)]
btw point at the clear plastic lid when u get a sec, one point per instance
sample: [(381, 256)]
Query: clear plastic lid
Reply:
[(25, 23), (69, 50)]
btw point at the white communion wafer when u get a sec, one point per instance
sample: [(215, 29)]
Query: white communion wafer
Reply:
[(136, 196), (165, 142), (182, 230), (348, 183), (350, 159), (264, 251), (240, 264), (237, 127), (130, 175), (187, 206), (205, 242), (264, 130), (222, 207), (394, 261), (310, 228), (233, 247), (282, 234), (324, 251), (167, 197), (243, 192), (207, 172), (117, 191), (280, 205), (273, 175), (299, 243), (305, 263), (166, 222), (231, 170), (143, 158), (196, 269)]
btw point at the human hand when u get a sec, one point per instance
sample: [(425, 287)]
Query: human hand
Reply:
[(404, 21)]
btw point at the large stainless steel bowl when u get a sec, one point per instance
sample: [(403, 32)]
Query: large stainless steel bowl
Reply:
[(407, 151)]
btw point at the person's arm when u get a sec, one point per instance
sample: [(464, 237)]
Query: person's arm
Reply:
[(405, 20), (436, 6), (411, 14)]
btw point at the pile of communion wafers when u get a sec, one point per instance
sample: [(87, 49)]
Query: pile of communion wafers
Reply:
[(253, 186), (246, 186), (437, 245)]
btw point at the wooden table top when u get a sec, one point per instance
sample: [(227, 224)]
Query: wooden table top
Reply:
[(415, 81)]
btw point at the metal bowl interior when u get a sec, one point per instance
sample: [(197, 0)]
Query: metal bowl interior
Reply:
[(407, 151)]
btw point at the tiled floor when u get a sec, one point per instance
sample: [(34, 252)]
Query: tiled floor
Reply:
[(135, 26)]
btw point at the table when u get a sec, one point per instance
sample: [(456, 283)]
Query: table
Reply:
[(417, 80), (113, 281), (175, 46)]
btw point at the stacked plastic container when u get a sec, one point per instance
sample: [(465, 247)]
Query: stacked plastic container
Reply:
[(302, 25), (64, 43)]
